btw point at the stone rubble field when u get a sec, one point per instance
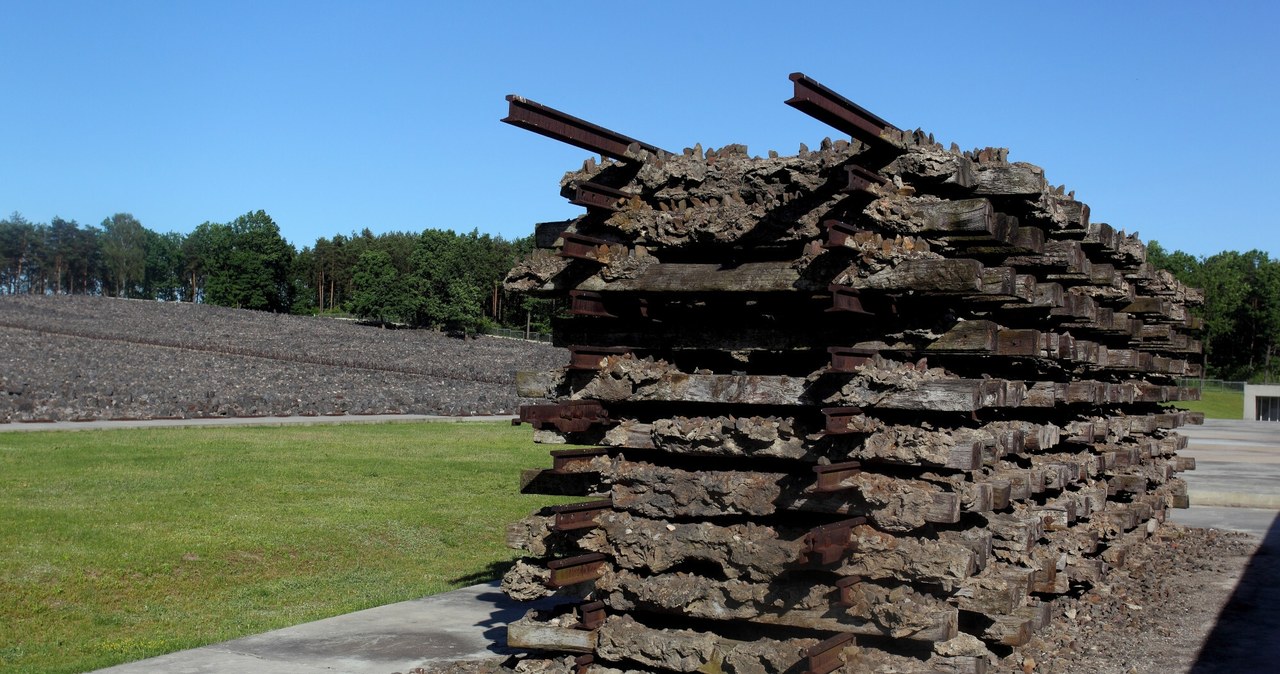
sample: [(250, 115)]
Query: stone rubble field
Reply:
[(68, 358)]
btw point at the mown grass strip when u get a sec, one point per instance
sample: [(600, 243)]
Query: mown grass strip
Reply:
[(1217, 404), (124, 544)]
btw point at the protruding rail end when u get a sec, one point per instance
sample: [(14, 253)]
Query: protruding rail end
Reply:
[(840, 113), (552, 123)]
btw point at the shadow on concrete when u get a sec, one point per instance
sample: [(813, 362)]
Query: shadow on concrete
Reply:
[(1246, 635), (507, 610)]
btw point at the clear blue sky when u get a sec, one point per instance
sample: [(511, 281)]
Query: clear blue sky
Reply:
[(335, 116)]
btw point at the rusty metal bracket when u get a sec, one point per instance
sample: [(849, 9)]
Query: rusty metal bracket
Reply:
[(825, 657), (835, 110), (575, 516), (574, 570), (566, 128), (831, 477), (582, 664), (838, 233)]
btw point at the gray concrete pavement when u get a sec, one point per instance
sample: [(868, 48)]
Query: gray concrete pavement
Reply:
[(1244, 634), (1237, 463), (458, 625), (242, 421), (1235, 440), (1256, 521)]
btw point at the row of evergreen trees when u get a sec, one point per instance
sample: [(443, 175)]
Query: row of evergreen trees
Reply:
[(437, 279)]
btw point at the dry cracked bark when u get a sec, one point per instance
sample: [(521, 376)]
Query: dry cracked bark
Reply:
[(862, 608), (782, 437), (663, 492), (880, 383), (622, 638), (882, 556)]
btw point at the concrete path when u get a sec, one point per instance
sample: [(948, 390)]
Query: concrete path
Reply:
[(1237, 463), (242, 421), (1244, 635), (1256, 521), (460, 625)]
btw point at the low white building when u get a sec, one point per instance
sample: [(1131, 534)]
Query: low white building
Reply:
[(1262, 402)]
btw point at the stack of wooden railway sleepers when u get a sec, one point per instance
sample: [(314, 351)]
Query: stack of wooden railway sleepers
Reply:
[(871, 406)]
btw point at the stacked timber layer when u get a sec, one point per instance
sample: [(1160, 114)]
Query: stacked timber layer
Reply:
[(870, 406)]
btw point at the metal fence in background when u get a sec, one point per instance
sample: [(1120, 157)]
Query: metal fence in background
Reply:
[(1214, 384), (519, 334)]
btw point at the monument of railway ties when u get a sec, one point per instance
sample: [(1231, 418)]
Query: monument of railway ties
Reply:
[(872, 405)]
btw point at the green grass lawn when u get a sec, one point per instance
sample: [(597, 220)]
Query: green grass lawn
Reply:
[(1217, 404), (119, 545)]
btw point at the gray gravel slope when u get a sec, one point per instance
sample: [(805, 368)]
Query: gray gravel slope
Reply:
[(70, 358)]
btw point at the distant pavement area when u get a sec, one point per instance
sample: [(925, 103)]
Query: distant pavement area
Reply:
[(1237, 463), (242, 421)]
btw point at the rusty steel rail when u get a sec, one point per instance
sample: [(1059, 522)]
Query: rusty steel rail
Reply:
[(838, 233), (570, 416), (840, 113), (595, 195), (831, 477), (566, 128), (825, 657), (844, 298), (830, 543), (579, 247), (576, 516), (844, 590), (591, 615), (574, 570), (848, 358), (838, 419), (590, 357), (861, 179), (588, 303)]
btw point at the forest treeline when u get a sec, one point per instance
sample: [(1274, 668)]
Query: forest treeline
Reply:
[(452, 281), (1241, 309), (438, 279)]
